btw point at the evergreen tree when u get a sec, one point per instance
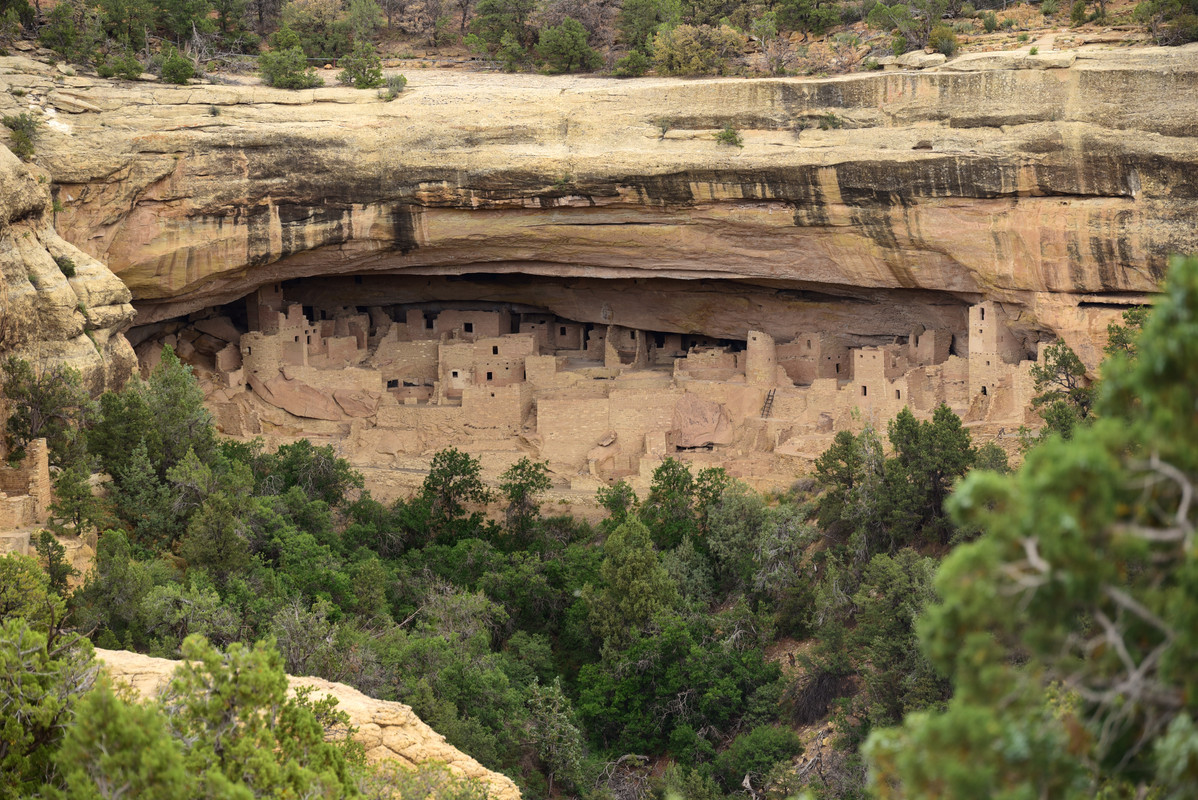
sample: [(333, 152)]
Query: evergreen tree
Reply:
[(48, 405), (1068, 629), (521, 484), (363, 69), (166, 413), (1063, 393), (669, 510), (564, 48), (74, 502), (634, 586), (118, 743), (494, 18), (53, 558), (453, 480)]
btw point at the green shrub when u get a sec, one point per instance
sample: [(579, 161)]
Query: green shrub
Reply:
[(65, 265), (564, 48), (1034, 51), (73, 29), (871, 63), (1050, 7), (830, 121), (124, 66), (363, 69), (943, 40), (24, 129), (990, 22), (898, 45), (633, 65), (288, 69), (1023, 37), (730, 136), (808, 16), (695, 50), (1168, 21), (755, 753), (511, 53), (177, 68), (394, 85)]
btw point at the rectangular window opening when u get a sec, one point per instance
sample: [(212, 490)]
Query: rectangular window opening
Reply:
[(563, 331), (490, 376), (393, 384), (495, 350), (864, 391), (468, 327), (898, 395)]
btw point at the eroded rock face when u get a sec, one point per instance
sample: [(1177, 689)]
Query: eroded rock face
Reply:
[(46, 316), (389, 731), (1058, 192)]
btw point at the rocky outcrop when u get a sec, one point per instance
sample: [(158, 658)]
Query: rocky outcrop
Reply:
[(1059, 192), (389, 731), (45, 315)]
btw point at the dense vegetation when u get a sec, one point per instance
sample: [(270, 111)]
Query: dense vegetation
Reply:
[(1051, 655), (174, 38)]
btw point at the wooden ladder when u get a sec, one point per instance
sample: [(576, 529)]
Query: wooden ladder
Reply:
[(768, 405)]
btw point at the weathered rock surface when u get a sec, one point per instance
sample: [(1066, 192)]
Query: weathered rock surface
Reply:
[(44, 315), (1058, 192), (387, 730)]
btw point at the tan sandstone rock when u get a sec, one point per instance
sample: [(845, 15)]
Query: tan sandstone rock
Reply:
[(45, 316), (388, 730), (1032, 187)]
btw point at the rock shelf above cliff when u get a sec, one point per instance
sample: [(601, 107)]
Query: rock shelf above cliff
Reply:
[(1060, 191)]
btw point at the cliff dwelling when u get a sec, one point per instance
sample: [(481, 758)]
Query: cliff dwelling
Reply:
[(378, 366)]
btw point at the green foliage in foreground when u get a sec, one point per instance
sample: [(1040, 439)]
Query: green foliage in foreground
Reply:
[(1068, 628)]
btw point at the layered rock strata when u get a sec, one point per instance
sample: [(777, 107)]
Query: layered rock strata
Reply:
[(1056, 185), (74, 313), (389, 731)]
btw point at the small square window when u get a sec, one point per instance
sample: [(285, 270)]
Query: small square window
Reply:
[(468, 327), (495, 350), (563, 330), (490, 376), (394, 384), (455, 373)]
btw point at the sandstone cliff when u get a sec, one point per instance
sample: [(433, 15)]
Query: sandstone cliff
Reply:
[(44, 315), (1056, 184), (387, 730)]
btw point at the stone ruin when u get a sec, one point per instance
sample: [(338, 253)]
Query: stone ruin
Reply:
[(393, 384), (24, 496)]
